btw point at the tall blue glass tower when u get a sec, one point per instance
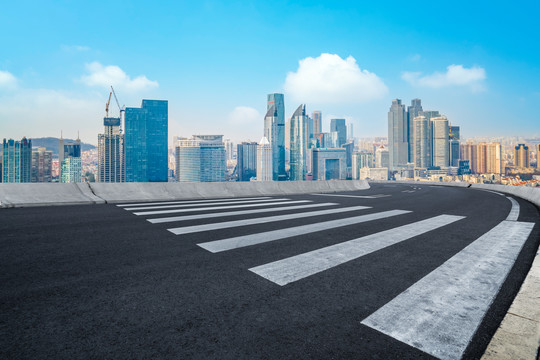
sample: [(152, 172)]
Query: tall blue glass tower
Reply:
[(146, 142), (274, 131)]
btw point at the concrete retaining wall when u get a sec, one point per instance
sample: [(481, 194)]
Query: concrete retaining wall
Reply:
[(22, 195)]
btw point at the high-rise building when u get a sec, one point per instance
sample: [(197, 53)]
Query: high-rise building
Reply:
[(494, 163), (538, 156), (421, 142), (469, 153), (359, 161), (349, 149), (201, 159), (350, 131), (339, 126), (454, 132), (146, 148), (413, 111), (41, 165), (274, 131), (481, 158), (246, 160), (440, 141), (111, 152), (317, 123), (382, 157), (69, 161), (17, 161), (298, 144), (453, 153), (264, 160), (398, 135), (430, 114), (521, 156), (229, 149), (329, 164)]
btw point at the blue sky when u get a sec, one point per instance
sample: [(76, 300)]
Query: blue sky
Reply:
[(476, 62)]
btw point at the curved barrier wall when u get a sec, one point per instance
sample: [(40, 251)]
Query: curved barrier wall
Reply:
[(39, 194)]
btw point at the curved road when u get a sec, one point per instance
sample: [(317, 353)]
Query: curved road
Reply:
[(394, 272)]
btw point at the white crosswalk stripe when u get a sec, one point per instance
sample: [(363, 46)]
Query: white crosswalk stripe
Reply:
[(236, 213), (190, 201), (297, 267), (259, 238), (262, 220), (175, 211), (440, 313), (230, 202)]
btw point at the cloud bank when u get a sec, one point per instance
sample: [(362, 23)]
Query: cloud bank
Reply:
[(455, 75), (105, 76), (7, 80), (329, 79), (244, 115)]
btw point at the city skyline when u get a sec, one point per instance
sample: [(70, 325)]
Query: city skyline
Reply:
[(479, 74)]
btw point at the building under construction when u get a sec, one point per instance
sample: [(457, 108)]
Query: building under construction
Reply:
[(111, 164)]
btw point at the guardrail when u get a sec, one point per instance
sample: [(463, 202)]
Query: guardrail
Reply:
[(43, 194)]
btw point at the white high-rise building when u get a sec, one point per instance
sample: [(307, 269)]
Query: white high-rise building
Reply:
[(382, 157), (264, 161), (421, 142), (440, 141)]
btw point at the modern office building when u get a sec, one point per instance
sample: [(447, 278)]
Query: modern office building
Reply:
[(338, 125), (16, 161), (246, 160), (349, 150), (421, 142), (359, 161), (430, 114), (69, 161), (111, 152), (521, 156), (382, 157), (454, 152), (413, 111), (298, 144), (229, 150), (440, 141), (264, 161), (317, 123), (41, 165), (454, 132), (398, 135), (146, 147), (350, 131), (201, 159), (329, 164), (274, 131)]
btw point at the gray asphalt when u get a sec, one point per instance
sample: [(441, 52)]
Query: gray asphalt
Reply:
[(101, 282)]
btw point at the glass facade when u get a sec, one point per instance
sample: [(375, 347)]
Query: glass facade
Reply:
[(16, 161), (329, 164), (338, 125), (298, 144), (201, 159), (274, 131), (146, 152), (398, 135), (111, 152), (246, 160)]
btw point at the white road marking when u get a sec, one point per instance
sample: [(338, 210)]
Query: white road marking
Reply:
[(440, 313), (192, 201), (514, 212), (235, 213), (297, 267), (174, 211), (491, 191), (230, 202), (259, 238), (355, 196), (262, 220)]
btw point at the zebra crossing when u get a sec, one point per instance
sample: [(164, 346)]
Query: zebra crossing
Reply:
[(451, 300)]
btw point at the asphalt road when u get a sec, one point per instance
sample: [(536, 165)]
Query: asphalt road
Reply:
[(394, 272)]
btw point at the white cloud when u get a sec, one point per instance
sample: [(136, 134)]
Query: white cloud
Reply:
[(329, 79), (105, 76), (244, 115), (455, 75), (7, 80), (414, 57)]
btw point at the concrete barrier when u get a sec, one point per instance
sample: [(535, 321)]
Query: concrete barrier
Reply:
[(27, 194)]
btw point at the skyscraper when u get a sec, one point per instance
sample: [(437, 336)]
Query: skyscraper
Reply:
[(494, 159), (246, 160), (382, 157), (440, 141), (453, 153), (111, 152), (339, 126), (69, 161), (264, 160), (146, 142), (454, 132), (538, 156), (469, 153), (16, 161), (317, 123), (398, 135), (298, 144), (201, 159), (329, 164), (521, 156), (413, 111), (350, 131), (41, 165), (274, 131), (429, 114), (421, 142)]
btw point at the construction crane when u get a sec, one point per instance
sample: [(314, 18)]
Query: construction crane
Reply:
[(107, 105), (121, 108)]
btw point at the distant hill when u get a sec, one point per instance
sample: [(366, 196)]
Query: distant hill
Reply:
[(51, 143)]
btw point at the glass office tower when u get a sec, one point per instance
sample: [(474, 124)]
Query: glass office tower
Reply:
[(338, 125), (146, 142), (274, 131), (298, 144)]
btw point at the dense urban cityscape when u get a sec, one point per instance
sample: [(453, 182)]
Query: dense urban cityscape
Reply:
[(421, 145)]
